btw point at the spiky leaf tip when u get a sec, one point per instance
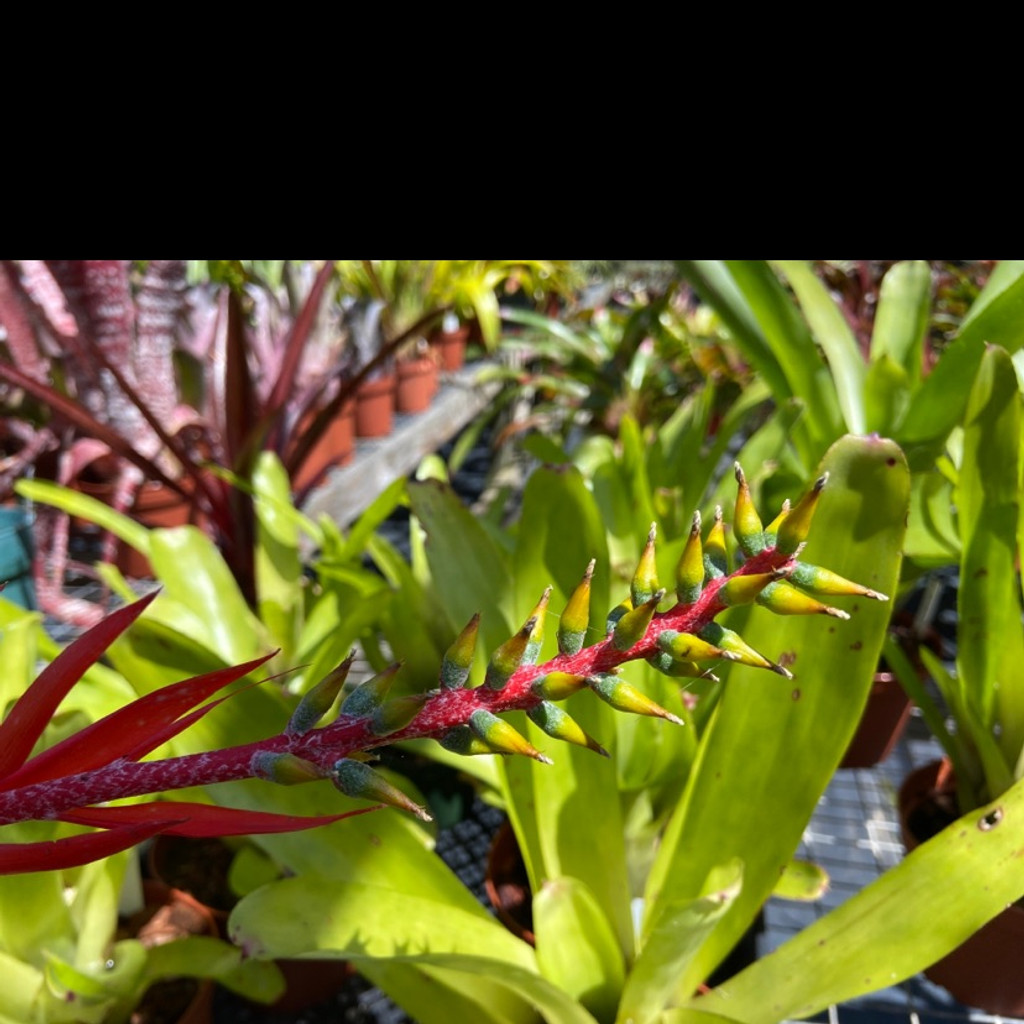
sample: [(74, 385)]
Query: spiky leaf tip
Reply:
[(359, 780), (575, 619), (645, 579), (458, 659), (319, 699), (746, 522)]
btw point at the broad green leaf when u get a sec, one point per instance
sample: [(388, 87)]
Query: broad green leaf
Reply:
[(470, 573), (792, 732), (901, 320), (309, 914), (92, 509), (576, 946), (886, 395), (278, 564), (932, 538), (997, 318), (431, 994), (833, 333), (672, 937), (202, 956), (200, 597), (23, 985), (990, 639), (856, 948)]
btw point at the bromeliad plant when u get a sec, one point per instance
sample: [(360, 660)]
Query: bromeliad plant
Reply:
[(75, 780)]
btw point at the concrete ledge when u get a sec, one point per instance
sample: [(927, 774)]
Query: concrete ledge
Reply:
[(349, 490)]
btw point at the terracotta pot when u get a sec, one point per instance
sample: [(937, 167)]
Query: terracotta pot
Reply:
[(336, 447), (168, 915), (375, 406), (984, 971), (156, 505), (885, 717), (507, 885), (417, 383), (451, 345)]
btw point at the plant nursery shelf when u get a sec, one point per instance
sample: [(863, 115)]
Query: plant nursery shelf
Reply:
[(348, 490)]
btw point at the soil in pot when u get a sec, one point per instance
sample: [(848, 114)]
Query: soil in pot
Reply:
[(984, 971)]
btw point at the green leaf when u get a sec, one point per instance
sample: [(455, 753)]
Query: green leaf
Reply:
[(672, 939), (832, 332), (278, 564), (901, 320), (886, 394), (792, 732), (84, 507), (576, 946), (990, 638), (997, 317), (856, 949)]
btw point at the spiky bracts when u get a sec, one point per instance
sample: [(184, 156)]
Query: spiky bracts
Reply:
[(682, 640)]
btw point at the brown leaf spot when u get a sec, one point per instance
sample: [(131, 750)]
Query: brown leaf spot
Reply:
[(787, 658), (856, 645), (796, 695)]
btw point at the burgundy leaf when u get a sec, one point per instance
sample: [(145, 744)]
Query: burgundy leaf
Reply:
[(132, 730), (16, 858), (36, 706), (200, 821)]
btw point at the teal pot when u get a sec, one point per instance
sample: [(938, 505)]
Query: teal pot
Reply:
[(16, 550)]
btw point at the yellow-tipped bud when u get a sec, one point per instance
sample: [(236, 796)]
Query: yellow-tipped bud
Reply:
[(458, 659), (558, 685), (359, 780), (461, 740), (716, 557), (508, 657), (784, 599), (533, 646), (620, 695), (501, 737), (690, 570), (369, 696), (824, 581), (645, 579), (772, 529), (575, 620), (396, 714), (740, 650), (558, 724), (795, 527), (746, 522), (744, 589), (625, 605), (632, 626), (318, 700), (285, 769), (668, 666), (687, 647)]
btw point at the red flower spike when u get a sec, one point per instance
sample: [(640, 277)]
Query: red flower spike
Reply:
[(73, 851), (133, 730), (198, 821), (36, 706)]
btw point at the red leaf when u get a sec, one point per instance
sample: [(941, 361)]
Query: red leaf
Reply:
[(36, 706), (200, 820), (133, 730), (73, 851)]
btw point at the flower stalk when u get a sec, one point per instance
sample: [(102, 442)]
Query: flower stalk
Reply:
[(102, 763)]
